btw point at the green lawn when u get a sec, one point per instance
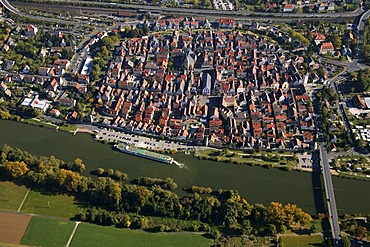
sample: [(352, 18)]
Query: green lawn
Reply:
[(11, 195), (301, 241), (60, 205), (93, 235), (47, 232), (68, 128)]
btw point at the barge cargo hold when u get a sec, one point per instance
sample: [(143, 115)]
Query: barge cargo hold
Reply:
[(130, 149)]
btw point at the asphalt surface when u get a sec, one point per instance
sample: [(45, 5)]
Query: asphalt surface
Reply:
[(330, 197)]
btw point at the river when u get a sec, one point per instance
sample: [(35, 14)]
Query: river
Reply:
[(256, 184)]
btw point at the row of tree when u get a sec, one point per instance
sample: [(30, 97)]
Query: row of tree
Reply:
[(148, 197)]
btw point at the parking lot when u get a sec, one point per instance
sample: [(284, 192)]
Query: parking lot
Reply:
[(141, 141)]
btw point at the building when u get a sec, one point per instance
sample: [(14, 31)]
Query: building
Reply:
[(67, 102), (326, 47), (359, 102), (54, 112), (288, 8), (36, 103), (87, 66), (30, 31), (226, 23)]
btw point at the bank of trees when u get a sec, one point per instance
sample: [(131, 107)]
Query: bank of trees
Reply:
[(115, 202)]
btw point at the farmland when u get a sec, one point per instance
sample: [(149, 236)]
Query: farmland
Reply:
[(93, 235), (12, 227), (43, 231)]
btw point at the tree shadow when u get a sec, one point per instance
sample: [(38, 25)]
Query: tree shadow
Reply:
[(207, 235), (302, 231), (315, 244)]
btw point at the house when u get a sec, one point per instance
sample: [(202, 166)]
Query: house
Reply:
[(288, 8), (319, 38), (4, 88), (322, 6), (83, 79), (26, 69), (331, 6), (62, 63), (53, 85), (17, 77), (5, 48), (67, 102), (30, 30), (44, 71), (359, 102), (326, 47), (9, 65), (226, 23), (54, 112)]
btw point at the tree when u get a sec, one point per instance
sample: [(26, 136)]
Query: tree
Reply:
[(345, 241), (69, 180), (336, 40), (4, 114), (360, 232), (16, 169), (215, 233)]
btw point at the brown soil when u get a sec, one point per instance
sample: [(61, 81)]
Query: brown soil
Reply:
[(12, 227)]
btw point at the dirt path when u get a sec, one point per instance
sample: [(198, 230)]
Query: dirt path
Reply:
[(73, 233), (24, 199)]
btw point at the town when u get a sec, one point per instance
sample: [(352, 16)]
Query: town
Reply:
[(245, 87)]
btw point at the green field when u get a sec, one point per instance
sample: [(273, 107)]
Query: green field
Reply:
[(11, 195), (60, 205), (47, 232), (93, 235), (301, 241)]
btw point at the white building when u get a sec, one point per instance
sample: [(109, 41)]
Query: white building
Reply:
[(35, 102)]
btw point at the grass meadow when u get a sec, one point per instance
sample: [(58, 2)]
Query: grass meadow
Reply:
[(94, 235), (301, 241), (51, 205), (47, 232), (11, 195)]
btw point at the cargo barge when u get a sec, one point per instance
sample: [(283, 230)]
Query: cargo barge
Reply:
[(130, 149)]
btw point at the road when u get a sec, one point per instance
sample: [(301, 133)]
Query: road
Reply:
[(204, 12), (360, 30), (330, 197)]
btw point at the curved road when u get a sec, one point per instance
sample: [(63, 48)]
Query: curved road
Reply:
[(14, 10)]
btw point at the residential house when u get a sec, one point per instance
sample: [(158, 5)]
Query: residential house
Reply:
[(30, 30), (326, 47), (44, 71), (288, 8)]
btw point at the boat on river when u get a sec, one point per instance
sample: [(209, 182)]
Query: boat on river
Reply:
[(133, 150)]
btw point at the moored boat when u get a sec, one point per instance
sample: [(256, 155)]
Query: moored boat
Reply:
[(131, 149)]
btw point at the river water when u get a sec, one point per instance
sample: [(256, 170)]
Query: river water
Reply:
[(256, 184)]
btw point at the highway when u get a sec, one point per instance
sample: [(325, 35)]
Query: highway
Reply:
[(330, 197)]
